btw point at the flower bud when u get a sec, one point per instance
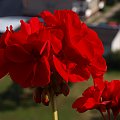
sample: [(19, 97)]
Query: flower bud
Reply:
[(45, 97), (37, 94), (65, 89)]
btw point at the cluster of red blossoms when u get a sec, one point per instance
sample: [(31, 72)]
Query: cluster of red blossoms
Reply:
[(47, 55), (103, 100)]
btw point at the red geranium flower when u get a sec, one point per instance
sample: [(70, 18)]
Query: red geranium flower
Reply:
[(80, 46), (104, 99), (66, 45), (27, 51), (62, 48), (31, 52), (91, 99), (111, 93)]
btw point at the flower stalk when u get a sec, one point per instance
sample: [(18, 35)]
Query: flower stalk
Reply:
[(103, 115), (54, 106)]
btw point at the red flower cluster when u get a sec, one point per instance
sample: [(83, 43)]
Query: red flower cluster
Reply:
[(51, 54), (102, 100)]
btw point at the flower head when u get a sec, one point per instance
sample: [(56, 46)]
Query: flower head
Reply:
[(48, 55), (91, 99), (111, 94), (81, 47), (102, 100)]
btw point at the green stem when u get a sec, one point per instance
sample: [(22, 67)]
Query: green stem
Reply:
[(54, 106), (102, 115)]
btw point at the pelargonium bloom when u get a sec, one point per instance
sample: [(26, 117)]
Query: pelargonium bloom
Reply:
[(91, 99), (30, 52), (102, 100), (111, 93), (80, 45), (60, 50), (27, 51)]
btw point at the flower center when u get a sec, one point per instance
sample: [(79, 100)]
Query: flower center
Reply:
[(35, 54)]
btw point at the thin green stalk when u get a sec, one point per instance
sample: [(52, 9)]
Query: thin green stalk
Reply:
[(54, 106)]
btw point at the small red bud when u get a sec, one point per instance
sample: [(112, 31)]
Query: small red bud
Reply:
[(37, 95), (65, 89), (45, 97)]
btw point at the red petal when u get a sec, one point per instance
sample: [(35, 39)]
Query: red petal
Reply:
[(83, 104), (98, 82), (49, 18), (98, 66), (35, 24), (89, 91), (21, 73), (6, 37), (79, 102), (79, 74), (69, 16), (95, 42), (61, 68), (25, 27), (19, 37), (56, 44), (45, 50), (41, 73), (58, 33), (90, 104), (18, 54), (85, 50)]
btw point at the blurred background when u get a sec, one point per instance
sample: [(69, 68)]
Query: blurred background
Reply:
[(103, 16)]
